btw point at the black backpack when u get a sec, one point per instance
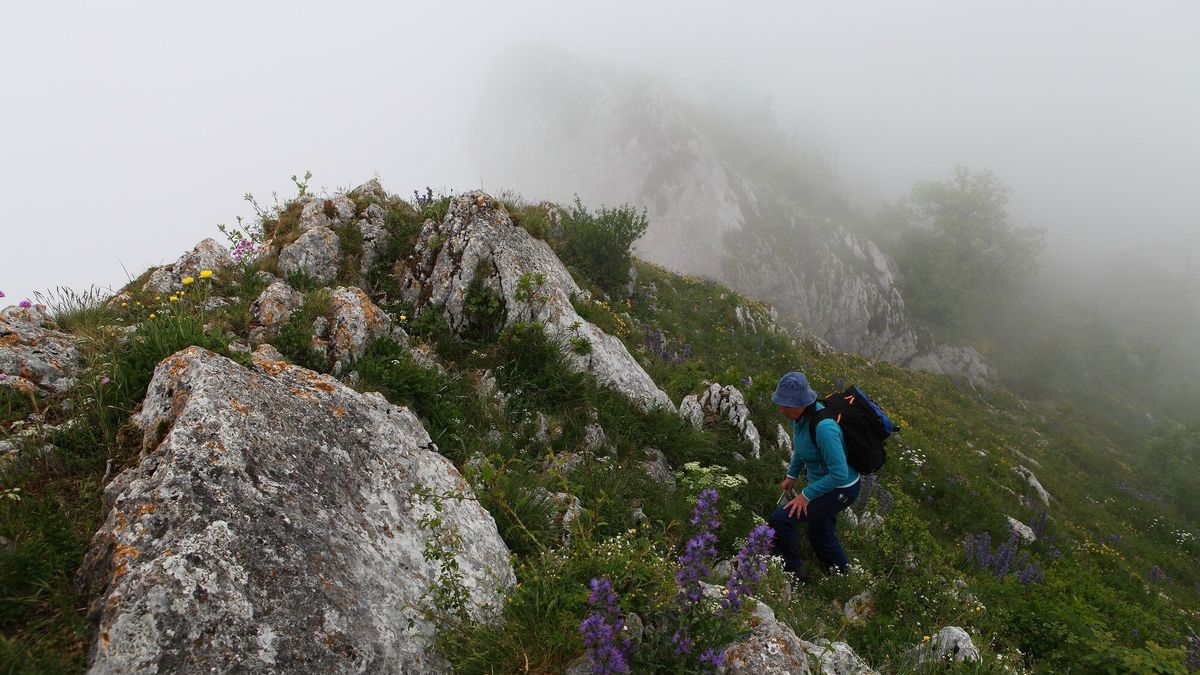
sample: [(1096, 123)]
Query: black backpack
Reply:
[(864, 425)]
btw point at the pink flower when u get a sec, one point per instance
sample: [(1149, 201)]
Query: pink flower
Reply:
[(104, 380), (25, 303), (3, 377), (1, 294)]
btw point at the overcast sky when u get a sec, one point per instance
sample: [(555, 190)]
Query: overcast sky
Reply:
[(128, 130)]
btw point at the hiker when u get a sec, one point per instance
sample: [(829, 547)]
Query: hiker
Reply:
[(832, 483)]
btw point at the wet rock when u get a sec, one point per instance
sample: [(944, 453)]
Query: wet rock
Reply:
[(272, 524), (207, 255), (478, 239), (316, 253), (33, 353)]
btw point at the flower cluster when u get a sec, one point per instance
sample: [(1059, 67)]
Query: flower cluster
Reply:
[(671, 352), (244, 250), (749, 568), (701, 548), (602, 629), (1004, 559)]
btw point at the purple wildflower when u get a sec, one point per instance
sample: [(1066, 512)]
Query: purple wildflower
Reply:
[(608, 652), (1, 294), (713, 657), (25, 303), (243, 249), (749, 568), (3, 377), (700, 549), (104, 380), (682, 641)]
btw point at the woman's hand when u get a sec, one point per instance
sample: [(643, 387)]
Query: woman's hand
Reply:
[(799, 505), (787, 484)]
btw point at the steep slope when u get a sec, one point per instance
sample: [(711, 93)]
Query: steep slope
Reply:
[(581, 479)]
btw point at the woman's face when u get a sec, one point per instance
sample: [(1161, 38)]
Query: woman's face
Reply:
[(791, 412)]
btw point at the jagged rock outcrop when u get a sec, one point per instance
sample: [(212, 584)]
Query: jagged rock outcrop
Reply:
[(739, 209), (34, 355), (273, 524), (207, 255), (477, 243), (774, 649), (725, 403)]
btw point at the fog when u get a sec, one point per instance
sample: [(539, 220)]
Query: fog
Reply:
[(131, 129)]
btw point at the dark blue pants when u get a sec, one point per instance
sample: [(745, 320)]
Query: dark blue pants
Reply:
[(822, 521)]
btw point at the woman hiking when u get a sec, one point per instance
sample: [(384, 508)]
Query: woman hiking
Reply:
[(832, 484)]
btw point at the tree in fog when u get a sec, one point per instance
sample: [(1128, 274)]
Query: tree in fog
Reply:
[(960, 258)]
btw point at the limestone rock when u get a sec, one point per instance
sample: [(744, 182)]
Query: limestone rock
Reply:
[(33, 353), (1021, 529), (477, 238), (316, 253), (690, 410), (838, 658), (355, 322), (728, 404), (1033, 483), (371, 188), (272, 524), (272, 309), (658, 468), (783, 439), (953, 360), (860, 607), (207, 255), (771, 649), (949, 644)]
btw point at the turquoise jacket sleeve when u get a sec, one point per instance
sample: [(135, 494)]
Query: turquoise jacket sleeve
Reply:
[(829, 443), (797, 464)]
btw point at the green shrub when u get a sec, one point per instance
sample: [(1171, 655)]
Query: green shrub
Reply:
[(600, 245), (296, 340)]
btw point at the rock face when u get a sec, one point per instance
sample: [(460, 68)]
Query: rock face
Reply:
[(273, 525), (356, 321), (316, 253), (207, 255), (953, 360), (31, 354), (722, 202), (1022, 530), (726, 404), (478, 243)]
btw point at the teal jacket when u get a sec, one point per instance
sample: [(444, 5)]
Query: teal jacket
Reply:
[(825, 462)]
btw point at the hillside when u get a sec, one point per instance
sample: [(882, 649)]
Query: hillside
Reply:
[(363, 407)]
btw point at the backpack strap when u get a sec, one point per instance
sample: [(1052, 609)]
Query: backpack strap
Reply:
[(815, 418)]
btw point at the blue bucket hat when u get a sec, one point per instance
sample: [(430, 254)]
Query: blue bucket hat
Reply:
[(793, 391)]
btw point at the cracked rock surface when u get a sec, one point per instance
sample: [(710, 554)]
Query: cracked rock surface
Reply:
[(478, 239), (207, 255), (33, 354), (272, 524)]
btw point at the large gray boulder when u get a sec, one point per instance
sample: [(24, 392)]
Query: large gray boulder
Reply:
[(34, 354), (477, 238), (272, 309), (355, 321), (207, 255), (273, 524)]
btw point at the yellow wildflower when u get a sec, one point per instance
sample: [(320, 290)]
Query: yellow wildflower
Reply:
[(124, 304), (187, 280), (204, 274), (174, 298), (152, 315), (403, 317), (158, 298)]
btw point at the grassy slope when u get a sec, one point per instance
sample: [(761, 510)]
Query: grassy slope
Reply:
[(949, 475)]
